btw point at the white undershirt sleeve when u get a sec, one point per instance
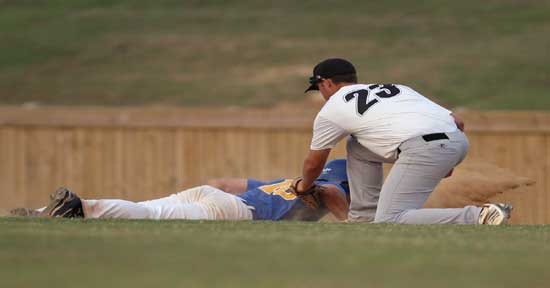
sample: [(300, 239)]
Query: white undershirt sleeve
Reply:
[(326, 134)]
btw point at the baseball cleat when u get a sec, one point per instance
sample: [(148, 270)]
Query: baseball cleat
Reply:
[(24, 212), (495, 214), (64, 203)]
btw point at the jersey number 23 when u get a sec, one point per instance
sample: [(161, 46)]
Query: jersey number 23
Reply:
[(366, 98)]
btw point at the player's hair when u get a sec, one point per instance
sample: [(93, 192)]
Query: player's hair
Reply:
[(345, 78)]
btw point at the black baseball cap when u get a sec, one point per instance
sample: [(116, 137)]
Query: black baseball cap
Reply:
[(329, 68)]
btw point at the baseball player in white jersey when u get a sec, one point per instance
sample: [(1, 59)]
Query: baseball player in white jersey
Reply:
[(389, 123)]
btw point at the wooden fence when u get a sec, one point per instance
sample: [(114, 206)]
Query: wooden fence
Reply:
[(137, 153)]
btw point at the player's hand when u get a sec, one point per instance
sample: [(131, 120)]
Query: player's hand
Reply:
[(300, 186), (459, 122), (310, 196)]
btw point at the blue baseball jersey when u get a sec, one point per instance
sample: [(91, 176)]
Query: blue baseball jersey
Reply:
[(273, 201)]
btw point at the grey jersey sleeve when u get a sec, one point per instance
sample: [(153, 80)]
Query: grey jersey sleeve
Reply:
[(326, 134)]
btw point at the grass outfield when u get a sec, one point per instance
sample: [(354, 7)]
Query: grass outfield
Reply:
[(480, 54), (54, 253)]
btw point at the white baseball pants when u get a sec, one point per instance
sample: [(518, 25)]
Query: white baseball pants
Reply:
[(419, 168), (199, 203)]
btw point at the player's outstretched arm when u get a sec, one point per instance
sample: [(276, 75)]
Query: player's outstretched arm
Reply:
[(335, 201), (229, 185)]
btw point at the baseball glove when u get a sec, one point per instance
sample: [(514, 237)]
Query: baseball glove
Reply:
[(311, 197)]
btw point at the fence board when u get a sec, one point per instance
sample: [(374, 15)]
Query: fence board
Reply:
[(531, 145), (544, 194), (8, 166)]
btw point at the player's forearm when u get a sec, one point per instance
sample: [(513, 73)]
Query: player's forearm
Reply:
[(313, 166), (309, 174)]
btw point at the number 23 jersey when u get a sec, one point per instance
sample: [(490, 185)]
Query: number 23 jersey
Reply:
[(379, 116)]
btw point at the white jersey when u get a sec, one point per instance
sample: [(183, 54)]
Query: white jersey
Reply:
[(379, 116)]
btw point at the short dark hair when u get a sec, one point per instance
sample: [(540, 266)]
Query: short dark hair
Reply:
[(345, 78)]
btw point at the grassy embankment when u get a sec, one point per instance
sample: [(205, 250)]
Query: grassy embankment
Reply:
[(489, 55)]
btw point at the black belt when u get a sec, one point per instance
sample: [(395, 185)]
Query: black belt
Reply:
[(435, 136), (430, 137)]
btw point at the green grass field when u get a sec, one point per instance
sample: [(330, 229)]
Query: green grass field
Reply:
[(479, 54), (53, 253)]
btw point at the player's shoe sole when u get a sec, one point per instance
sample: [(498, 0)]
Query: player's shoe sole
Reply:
[(24, 212), (64, 203), (495, 214)]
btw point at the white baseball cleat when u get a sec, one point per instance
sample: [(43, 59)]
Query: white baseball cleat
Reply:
[(495, 214)]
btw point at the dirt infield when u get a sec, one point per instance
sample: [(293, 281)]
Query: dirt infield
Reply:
[(475, 183)]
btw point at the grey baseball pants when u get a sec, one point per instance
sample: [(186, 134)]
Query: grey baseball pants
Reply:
[(419, 168)]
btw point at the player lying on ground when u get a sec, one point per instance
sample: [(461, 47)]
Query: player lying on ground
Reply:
[(258, 201)]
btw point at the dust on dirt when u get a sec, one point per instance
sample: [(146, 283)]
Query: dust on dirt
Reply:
[(475, 183)]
